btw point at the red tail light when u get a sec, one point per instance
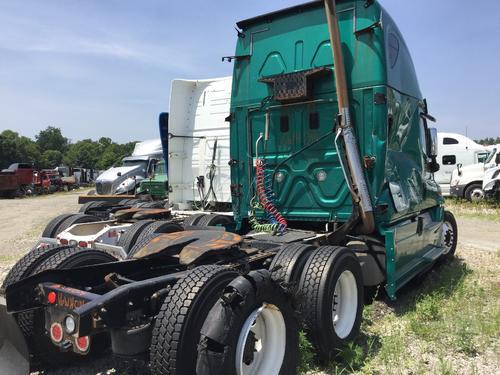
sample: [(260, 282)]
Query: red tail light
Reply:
[(63, 241), (83, 343), (56, 332), (51, 297), (83, 244)]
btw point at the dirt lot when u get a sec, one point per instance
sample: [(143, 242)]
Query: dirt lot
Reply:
[(23, 220), (478, 255)]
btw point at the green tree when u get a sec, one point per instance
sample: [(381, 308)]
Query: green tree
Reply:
[(490, 141), (82, 154), (52, 139), (51, 159), (17, 149)]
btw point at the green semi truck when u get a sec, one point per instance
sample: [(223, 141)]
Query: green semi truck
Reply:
[(333, 195), (156, 185)]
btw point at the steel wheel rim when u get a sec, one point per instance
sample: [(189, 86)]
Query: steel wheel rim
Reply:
[(267, 328), (477, 194), (345, 304), (448, 237)]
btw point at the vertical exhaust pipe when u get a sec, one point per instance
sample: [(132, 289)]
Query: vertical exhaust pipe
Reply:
[(359, 188)]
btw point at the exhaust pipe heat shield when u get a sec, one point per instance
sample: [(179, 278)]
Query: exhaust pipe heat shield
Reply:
[(14, 354)]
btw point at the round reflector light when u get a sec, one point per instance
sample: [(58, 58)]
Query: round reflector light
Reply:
[(83, 343), (51, 297), (56, 332)]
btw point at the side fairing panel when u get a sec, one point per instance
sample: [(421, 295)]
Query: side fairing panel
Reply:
[(198, 112)]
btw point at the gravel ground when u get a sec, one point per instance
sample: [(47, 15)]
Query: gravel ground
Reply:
[(24, 219)]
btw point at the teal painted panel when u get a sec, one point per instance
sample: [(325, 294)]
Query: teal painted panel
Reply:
[(385, 111)]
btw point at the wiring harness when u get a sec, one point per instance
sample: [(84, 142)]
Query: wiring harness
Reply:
[(266, 201)]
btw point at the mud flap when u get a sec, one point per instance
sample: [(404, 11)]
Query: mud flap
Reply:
[(14, 354)]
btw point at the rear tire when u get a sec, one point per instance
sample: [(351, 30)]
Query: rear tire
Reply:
[(193, 220), (53, 225), (128, 239), (251, 330), (331, 288), (84, 209), (177, 329), (41, 345), (151, 205), (289, 262), (127, 202), (158, 227), (214, 221), (75, 219), (28, 263)]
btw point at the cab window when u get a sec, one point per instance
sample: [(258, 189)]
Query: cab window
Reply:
[(450, 141), (449, 160)]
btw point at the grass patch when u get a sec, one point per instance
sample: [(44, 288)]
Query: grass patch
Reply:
[(485, 210), (444, 323)]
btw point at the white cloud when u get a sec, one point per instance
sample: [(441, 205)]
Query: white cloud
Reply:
[(28, 36)]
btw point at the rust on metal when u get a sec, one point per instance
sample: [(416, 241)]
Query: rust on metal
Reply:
[(152, 213), (190, 245), (140, 213)]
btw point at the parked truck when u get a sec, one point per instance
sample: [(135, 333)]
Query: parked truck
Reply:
[(126, 178), (454, 150), (467, 181), (16, 180), (491, 181), (332, 194)]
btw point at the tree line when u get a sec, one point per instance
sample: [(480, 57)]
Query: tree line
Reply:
[(51, 149), (488, 141)]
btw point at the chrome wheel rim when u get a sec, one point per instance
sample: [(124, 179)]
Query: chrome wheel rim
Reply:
[(448, 237), (477, 194)]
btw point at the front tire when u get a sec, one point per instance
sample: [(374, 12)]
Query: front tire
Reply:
[(450, 237), (332, 298), (474, 193)]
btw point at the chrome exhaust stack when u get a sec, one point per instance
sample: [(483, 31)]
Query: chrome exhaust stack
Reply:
[(354, 169)]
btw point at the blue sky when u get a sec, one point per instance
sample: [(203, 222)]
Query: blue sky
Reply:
[(103, 67)]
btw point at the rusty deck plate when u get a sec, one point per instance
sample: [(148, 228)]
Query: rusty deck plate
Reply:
[(142, 213), (190, 245)]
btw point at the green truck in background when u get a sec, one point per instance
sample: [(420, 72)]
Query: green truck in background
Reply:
[(333, 196), (156, 185)]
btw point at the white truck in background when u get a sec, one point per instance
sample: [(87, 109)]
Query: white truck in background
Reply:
[(491, 181), (125, 178), (467, 182), (454, 150), (198, 165)]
